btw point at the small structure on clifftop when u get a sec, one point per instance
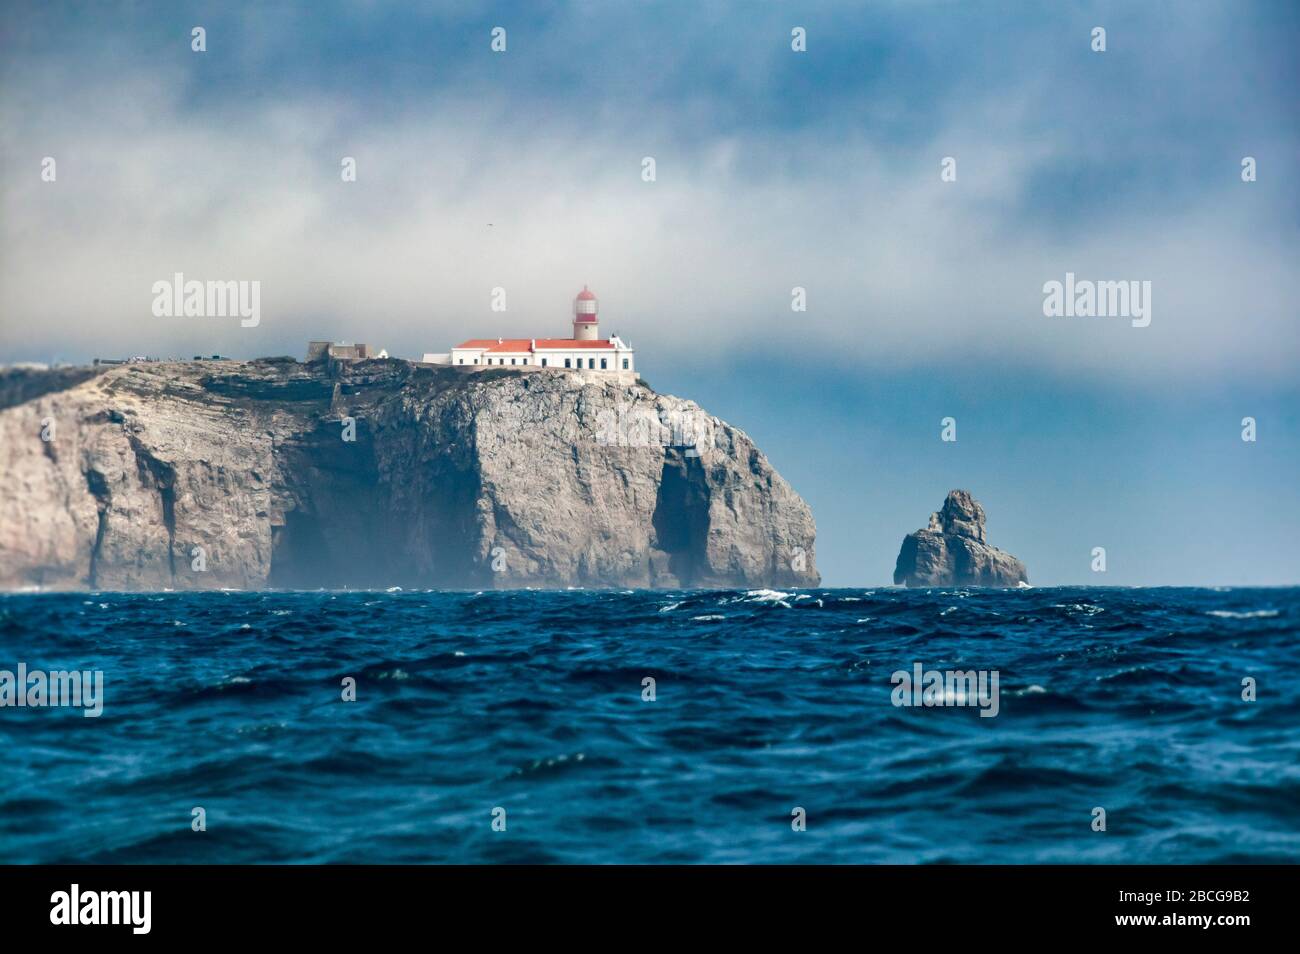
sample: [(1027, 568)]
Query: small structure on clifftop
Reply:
[(341, 351), (952, 551)]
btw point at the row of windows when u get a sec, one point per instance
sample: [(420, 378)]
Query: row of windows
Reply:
[(591, 362)]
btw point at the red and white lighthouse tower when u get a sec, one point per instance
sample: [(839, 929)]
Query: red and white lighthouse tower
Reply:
[(584, 316)]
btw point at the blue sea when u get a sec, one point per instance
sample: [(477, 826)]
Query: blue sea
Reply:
[(764, 702)]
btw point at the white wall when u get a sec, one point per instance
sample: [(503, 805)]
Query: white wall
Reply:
[(554, 359)]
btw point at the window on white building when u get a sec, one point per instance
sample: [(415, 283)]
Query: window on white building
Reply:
[(566, 362), (625, 364), (603, 364), (543, 362)]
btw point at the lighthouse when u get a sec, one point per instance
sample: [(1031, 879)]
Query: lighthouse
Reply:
[(584, 316), (585, 351)]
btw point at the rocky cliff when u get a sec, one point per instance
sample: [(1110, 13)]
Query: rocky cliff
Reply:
[(952, 550), (199, 475)]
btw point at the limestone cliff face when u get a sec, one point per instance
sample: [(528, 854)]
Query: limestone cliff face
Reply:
[(225, 474), (952, 551)]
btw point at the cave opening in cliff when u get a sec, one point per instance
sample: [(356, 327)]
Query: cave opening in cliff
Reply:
[(300, 555), (336, 535), (681, 516), (356, 524)]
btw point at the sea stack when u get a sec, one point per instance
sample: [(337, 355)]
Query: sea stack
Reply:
[(952, 550)]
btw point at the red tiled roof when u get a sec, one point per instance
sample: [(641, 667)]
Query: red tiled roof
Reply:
[(571, 343), (524, 345)]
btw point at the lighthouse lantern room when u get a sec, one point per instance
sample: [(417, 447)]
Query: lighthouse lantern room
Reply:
[(585, 324)]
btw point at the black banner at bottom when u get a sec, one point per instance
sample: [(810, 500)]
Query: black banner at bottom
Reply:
[(335, 903)]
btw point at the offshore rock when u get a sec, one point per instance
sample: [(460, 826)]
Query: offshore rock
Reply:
[(952, 550), (271, 473)]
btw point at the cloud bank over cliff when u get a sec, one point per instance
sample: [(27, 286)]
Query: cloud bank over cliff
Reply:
[(774, 170)]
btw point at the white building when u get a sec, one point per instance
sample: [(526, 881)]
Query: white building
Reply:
[(586, 350)]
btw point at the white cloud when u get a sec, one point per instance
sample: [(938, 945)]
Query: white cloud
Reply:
[(901, 269)]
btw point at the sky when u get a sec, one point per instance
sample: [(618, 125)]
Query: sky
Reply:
[(774, 170)]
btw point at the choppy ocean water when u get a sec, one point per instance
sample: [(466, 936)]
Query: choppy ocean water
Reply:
[(1126, 699)]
